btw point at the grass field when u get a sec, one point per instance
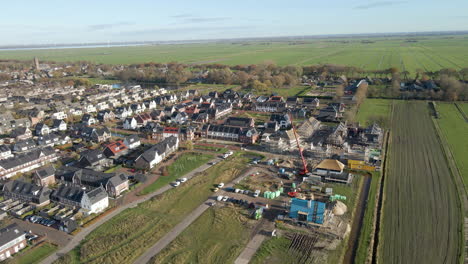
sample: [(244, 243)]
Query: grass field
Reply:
[(34, 255), (421, 214), (455, 130), (218, 236), (372, 108), (273, 250), (366, 229), (183, 165), (428, 53), (130, 233)]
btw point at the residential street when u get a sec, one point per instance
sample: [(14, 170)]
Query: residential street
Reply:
[(75, 241)]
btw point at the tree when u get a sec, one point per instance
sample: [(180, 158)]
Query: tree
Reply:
[(339, 92), (188, 145)]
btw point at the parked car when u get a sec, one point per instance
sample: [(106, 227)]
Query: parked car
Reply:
[(225, 198), (219, 198), (256, 193), (175, 184), (182, 180), (221, 185), (215, 189)]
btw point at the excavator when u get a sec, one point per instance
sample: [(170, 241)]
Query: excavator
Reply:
[(303, 170)]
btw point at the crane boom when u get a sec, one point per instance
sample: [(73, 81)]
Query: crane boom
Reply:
[(304, 164)]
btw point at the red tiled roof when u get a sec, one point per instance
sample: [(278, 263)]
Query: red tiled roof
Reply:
[(172, 130), (116, 147)]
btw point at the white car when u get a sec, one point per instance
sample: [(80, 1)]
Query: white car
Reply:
[(219, 198), (175, 184), (236, 190), (256, 193), (221, 185), (182, 180), (225, 198)]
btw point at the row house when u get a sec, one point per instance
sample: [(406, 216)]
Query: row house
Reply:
[(26, 162), (88, 120), (220, 111), (102, 106), (59, 125), (114, 183), (5, 152), (59, 115), (157, 153), (27, 192), (91, 202), (270, 106), (12, 240), (21, 133), (123, 112), (228, 133), (90, 109), (104, 116)]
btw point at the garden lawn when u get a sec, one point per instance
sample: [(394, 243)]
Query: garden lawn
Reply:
[(36, 254), (181, 166)]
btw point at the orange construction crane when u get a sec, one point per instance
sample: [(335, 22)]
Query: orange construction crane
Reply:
[(304, 170)]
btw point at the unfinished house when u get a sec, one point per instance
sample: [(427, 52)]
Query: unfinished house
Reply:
[(337, 137), (308, 128)]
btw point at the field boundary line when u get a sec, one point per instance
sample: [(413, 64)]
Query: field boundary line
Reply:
[(378, 235), (462, 194)]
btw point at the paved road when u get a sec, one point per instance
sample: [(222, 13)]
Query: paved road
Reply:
[(171, 235), (75, 241), (250, 249)]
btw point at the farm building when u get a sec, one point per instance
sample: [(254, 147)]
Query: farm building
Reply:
[(307, 210)]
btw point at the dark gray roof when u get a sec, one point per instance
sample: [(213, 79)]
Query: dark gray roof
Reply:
[(46, 172), (35, 193), (4, 148), (238, 121), (97, 195), (25, 158), (118, 179), (65, 192), (10, 233), (159, 148), (132, 139)]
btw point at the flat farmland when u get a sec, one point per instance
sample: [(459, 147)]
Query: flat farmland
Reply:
[(427, 53), (455, 130), (422, 212)]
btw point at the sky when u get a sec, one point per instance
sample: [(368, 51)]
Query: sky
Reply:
[(84, 21)]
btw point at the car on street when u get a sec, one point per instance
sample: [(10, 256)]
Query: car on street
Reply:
[(182, 180), (175, 184)]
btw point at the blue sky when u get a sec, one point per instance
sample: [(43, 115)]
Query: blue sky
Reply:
[(48, 22)]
